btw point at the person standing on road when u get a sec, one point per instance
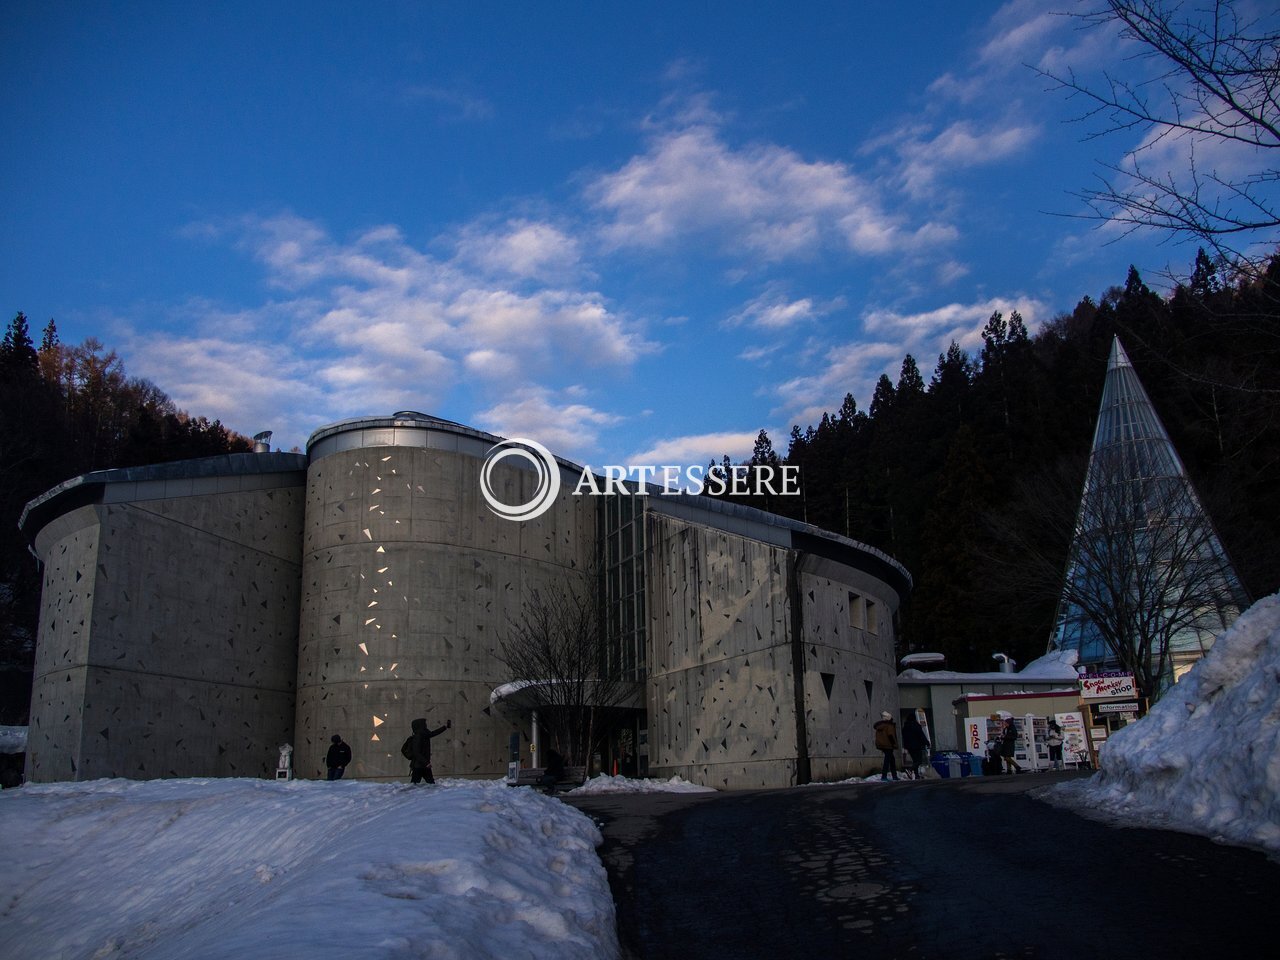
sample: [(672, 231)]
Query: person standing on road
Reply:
[(1008, 745), (887, 743), (554, 771), (916, 742), (418, 750), (337, 758), (1054, 740)]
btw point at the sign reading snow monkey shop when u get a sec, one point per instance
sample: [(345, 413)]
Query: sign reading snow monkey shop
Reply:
[(742, 480), (1107, 686)]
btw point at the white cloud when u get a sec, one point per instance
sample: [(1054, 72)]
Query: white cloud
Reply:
[(756, 354), (1025, 28), (761, 200), (249, 385), (928, 332), (520, 248), (959, 146), (950, 271), (844, 368), (697, 449), (388, 299), (567, 429), (376, 324), (855, 367), (1019, 33), (773, 310)]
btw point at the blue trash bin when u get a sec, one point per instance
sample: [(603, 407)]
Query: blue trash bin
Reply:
[(975, 764), (940, 764)]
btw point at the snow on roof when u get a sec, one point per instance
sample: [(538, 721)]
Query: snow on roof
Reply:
[(913, 658), (1056, 667), (13, 739), (1011, 694)]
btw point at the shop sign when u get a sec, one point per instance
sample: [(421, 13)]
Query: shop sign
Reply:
[(1130, 707), (1096, 686)]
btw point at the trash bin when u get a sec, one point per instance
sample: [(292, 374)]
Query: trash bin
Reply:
[(941, 765), (956, 766), (975, 764)]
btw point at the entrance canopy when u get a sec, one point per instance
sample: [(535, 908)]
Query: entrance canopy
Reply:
[(522, 696)]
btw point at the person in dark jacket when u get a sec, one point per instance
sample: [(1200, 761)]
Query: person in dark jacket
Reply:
[(1009, 744), (337, 758), (1054, 740), (420, 750), (887, 743), (916, 741), (554, 771)]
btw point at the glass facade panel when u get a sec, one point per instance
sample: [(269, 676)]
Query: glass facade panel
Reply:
[(1143, 540), (622, 521)]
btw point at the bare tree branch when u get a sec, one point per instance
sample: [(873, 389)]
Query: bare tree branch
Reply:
[(1217, 80), (1145, 571), (557, 654)]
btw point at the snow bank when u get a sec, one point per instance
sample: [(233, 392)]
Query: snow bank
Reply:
[(608, 784), (1206, 759), (255, 868)]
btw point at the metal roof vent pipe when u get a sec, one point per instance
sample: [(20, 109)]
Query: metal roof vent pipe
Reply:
[(262, 442), (1007, 665)]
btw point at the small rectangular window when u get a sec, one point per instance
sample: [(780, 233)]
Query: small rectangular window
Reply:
[(855, 611), (872, 613)]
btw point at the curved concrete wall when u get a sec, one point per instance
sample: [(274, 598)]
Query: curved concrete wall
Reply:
[(168, 622), (747, 689), (408, 581), (196, 615)]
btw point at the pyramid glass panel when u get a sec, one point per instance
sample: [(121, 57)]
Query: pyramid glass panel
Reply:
[(1146, 572)]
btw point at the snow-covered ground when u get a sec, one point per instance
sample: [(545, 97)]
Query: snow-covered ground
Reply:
[(234, 868), (254, 868), (608, 784), (1206, 759)]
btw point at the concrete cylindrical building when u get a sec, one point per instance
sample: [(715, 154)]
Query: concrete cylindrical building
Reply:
[(409, 580)]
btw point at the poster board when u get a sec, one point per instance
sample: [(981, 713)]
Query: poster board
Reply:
[(975, 735), (1075, 745)]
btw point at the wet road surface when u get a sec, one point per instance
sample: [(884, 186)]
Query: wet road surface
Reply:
[(971, 868)]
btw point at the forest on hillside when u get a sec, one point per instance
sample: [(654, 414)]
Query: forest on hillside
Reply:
[(66, 410), (964, 475)]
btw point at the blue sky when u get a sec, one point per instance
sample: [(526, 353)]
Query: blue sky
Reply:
[(636, 234)]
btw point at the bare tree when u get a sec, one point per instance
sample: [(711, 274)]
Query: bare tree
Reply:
[(1216, 82), (561, 663), (1145, 571)]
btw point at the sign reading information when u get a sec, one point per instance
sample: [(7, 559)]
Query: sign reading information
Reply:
[(1099, 686), (1130, 707)]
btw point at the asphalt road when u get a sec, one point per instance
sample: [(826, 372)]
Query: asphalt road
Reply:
[(971, 868)]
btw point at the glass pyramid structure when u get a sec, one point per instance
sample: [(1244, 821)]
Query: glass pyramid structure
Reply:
[(1146, 572)]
